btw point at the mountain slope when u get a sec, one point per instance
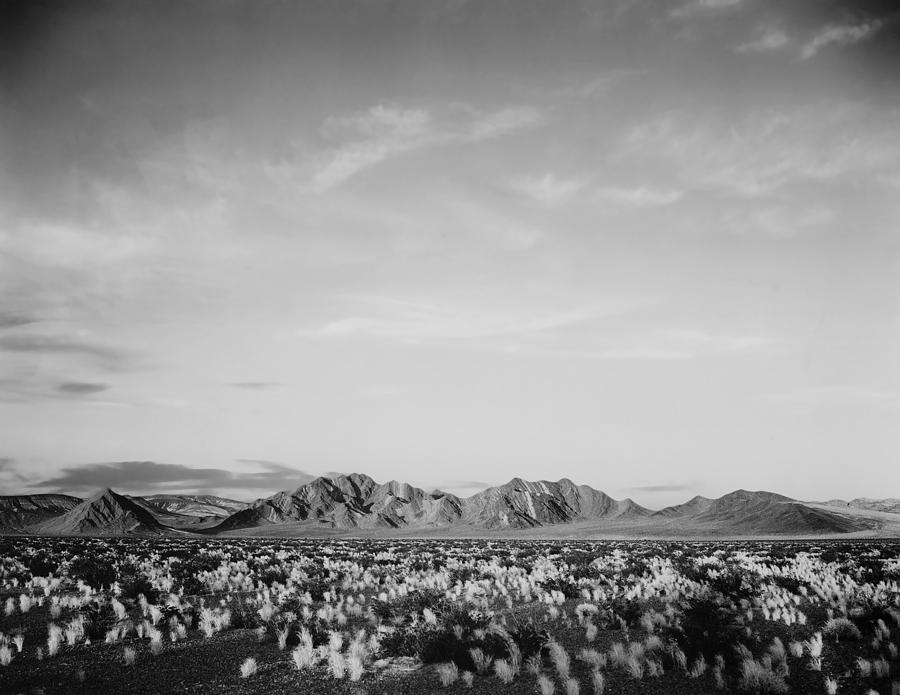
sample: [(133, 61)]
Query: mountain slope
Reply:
[(20, 511), (349, 501), (195, 505), (357, 501), (890, 505), (105, 514), (746, 512), (524, 504)]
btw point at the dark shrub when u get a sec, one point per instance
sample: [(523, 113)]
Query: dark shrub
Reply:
[(96, 572)]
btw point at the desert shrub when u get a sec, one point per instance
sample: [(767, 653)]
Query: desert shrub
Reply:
[(96, 572), (569, 589), (468, 619), (42, 564), (528, 638), (316, 588), (133, 583), (705, 627), (841, 628), (99, 618), (270, 575)]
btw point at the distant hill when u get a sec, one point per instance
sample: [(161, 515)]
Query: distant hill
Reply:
[(524, 504), (761, 512), (357, 504), (350, 501), (890, 504), (105, 514), (195, 505), (20, 511)]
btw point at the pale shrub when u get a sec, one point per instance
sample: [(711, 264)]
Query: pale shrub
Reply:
[(481, 660), (447, 673), (337, 665), (831, 686), (755, 677), (504, 671), (355, 667), (572, 687), (599, 682), (545, 685), (129, 656), (248, 668)]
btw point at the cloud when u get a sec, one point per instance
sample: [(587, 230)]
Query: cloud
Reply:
[(842, 35), (81, 387), (767, 150), (547, 190), (139, 477), (700, 6), (14, 320), (675, 487), (772, 39), (837, 395), (429, 322), (49, 344), (640, 196), (386, 131), (254, 385), (709, 341), (460, 488)]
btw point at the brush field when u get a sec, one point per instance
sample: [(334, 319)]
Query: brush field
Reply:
[(450, 616)]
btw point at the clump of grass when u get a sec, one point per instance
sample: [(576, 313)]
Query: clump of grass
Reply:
[(355, 667), (572, 687), (249, 667), (757, 678), (545, 685), (481, 660), (841, 628), (337, 664), (504, 671), (831, 686), (698, 668), (560, 658), (598, 681), (129, 656), (5, 654), (468, 678), (592, 658), (448, 672)]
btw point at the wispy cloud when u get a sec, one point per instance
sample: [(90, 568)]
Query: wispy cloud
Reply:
[(14, 320), (767, 150), (79, 388), (423, 322), (672, 487), (386, 131), (256, 476), (547, 190), (839, 35), (61, 345), (722, 342), (837, 395), (771, 39), (699, 6), (639, 196)]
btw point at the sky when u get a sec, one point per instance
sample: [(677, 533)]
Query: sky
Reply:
[(651, 247)]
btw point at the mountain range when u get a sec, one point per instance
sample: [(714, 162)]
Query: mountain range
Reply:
[(355, 504)]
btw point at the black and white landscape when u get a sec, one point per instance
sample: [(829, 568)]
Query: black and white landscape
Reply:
[(356, 505), (364, 347)]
